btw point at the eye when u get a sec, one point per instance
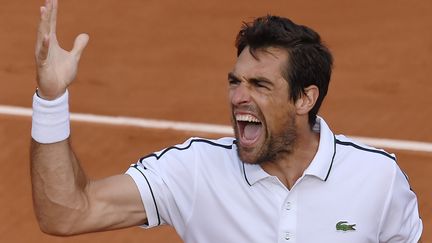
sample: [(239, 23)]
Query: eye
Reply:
[(260, 84), (233, 81)]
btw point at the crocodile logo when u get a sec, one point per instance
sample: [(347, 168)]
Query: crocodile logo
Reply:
[(344, 226)]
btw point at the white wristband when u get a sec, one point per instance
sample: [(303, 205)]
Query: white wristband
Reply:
[(50, 120)]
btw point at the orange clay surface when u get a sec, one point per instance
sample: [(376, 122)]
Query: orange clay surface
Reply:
[(169, 60)]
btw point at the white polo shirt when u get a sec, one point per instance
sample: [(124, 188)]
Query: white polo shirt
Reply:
[(349, 193)]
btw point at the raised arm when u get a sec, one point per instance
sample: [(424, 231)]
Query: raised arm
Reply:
[(66, 201)]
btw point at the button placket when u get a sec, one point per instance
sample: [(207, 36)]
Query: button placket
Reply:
[(288, 206), (288, 222), (287, 236)]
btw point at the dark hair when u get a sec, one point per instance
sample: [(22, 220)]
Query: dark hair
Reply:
[(309, 60)]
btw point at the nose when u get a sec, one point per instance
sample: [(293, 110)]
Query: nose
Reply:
[(240, 94)]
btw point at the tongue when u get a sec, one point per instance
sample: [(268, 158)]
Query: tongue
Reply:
[(252, 130)]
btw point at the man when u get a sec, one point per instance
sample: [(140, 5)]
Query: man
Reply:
[(284, 178)]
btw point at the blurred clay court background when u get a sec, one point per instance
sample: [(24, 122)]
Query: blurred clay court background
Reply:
[(169, 60)]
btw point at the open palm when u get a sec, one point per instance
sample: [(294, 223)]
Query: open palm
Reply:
[(56, 67)]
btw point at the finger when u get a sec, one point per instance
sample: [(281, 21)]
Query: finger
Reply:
[(43, 29), (53, 17), (47, 16), (79, 45), (49, 7), (49, 10), (44, 25)]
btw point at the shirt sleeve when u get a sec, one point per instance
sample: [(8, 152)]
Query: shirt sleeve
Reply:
[(400, 221), (166, 183), (137, 172)]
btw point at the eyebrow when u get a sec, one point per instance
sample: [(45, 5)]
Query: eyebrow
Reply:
[(232, 76)]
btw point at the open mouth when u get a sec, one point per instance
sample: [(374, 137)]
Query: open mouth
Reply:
[(249, 128)]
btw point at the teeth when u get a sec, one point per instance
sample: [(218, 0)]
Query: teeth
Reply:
[(247, 118)]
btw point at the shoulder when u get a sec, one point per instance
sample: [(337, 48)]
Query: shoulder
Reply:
[(181, 162), (193, 145), (373, 170), (347, 145), (365, 160)]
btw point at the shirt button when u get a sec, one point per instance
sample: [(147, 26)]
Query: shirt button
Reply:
[(287, 236), (288, 206)]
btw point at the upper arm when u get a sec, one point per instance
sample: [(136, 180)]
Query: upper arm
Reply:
[(401, 221), (111, 203)]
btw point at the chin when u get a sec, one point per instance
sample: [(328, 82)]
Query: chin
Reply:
[(248, 159), (248, 156)]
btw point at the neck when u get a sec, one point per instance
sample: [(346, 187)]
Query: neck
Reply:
[(290, 167)]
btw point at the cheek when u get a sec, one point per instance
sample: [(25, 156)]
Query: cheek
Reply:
[(276, 115)]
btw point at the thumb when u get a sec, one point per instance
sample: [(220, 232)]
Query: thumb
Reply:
[(79, 45)]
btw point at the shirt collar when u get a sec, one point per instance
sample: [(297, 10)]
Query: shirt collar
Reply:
[(320, 165)]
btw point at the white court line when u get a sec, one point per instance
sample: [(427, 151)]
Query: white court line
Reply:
[(203, 127)]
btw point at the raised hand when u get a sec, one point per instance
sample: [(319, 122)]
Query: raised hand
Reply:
[(56, 67)]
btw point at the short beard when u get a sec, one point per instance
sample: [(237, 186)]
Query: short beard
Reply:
[(275, 146)]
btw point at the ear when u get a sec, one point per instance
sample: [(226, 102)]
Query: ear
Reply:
[(307, 100)]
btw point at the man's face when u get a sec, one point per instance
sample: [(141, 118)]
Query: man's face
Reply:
[(263, 114)]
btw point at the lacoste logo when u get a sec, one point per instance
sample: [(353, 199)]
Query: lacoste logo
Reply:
[(344, 226)]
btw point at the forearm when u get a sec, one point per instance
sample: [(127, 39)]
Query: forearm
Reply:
[(65, 201), (58, 185)]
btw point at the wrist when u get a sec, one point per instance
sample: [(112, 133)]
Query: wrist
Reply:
[(50, 119), (47, 96)]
